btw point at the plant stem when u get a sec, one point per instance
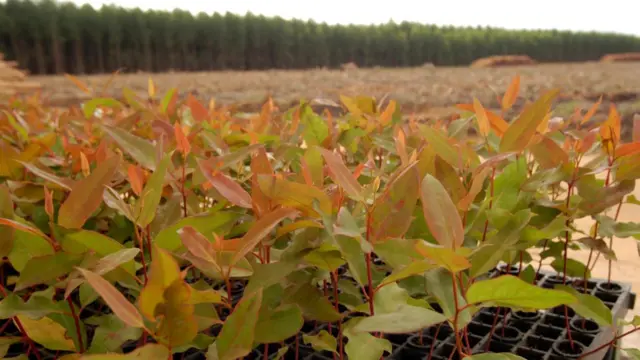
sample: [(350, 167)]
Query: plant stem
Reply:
[(184, 194), (611, 243), (76, 321), (486, 222), (493, 327), (369, 282), (143, 261), (433, 342), (336, 302), (455, 317)]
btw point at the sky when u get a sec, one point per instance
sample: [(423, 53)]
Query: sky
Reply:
[(578, 15)]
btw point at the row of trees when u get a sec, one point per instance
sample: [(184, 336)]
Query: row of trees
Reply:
[(47, 37)]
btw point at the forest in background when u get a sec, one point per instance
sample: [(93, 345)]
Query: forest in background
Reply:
[(48, 37)]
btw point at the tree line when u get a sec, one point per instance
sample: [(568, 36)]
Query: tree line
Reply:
[(47, 37)]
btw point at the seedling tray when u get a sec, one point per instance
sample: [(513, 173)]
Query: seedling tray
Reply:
[(540, 335)]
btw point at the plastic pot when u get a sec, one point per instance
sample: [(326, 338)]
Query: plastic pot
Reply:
[(507, 334), (565, 349), (585, 326), (610, 288)]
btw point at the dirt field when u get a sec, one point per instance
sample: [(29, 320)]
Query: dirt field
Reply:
[(429, 92), (426, 91)]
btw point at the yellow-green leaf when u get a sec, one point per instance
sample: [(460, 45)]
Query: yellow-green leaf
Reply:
[(148, 203), (292, 194), (511, 291), (237, 335), (178, 325), (48, 333), (163, 272), (141, 150)]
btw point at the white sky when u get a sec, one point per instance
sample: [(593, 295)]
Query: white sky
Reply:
[(583, 15)]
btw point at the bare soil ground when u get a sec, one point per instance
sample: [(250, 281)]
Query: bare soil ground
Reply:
[(428, 92)]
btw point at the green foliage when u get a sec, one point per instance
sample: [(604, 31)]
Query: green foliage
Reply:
[(207, 230)]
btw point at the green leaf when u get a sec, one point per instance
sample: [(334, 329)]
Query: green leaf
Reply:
[(414, 268), (628, 168), (365, 346), (35, 308), (589, 306), (406, 319), (392, 212), (321, 342), (632, 353), (178, 325), (325, 257), (148, 351), (27, 245), (89, 107), (141, 150), (237, 335), (279, 324), (610, 227), (574, 267), (205, 224), (6, 211), (86, 195), (316, 129), (111, 333), (295, 195), (441, 214), (445, 257), (45, 269), (352, 252), (442, 146), (146, 206), (510, 291), (266, 275), (313, 304), (521, 131), (82, 241), (494, 356)]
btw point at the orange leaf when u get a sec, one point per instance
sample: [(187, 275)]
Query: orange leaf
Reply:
[(476, 187), (387, 114), (481, 116), (260, 165), (226, 186), (86, 195), (120, 306), (136, 178), (610, 130), (182, 142), (151, 89), (198, 111), (548, 153), (628, 149), (585, 144), (511, 95), (22, 227), (78, 83), (340, 174), (260, 230), (295, 121), (498, 124), (591, 111), (48, 203), (86, 169), (401, 146)]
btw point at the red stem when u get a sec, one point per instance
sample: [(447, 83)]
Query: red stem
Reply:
[(611, 242), (486, 222), (184, 194), (143, 261), (455, 317), (76, 321), (493, 327), (433, 342), (336, 302)]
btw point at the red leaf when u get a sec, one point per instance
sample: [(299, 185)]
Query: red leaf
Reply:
[(198, 111), (228, 188)]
